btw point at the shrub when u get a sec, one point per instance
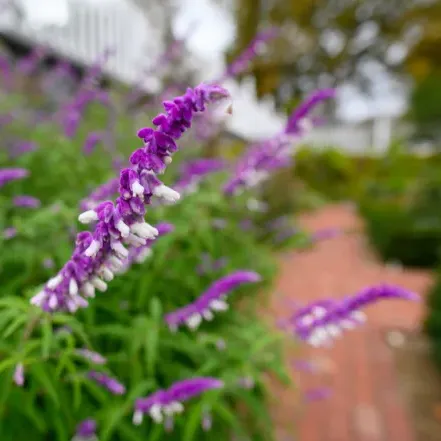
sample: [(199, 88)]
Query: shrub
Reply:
[(125, 325), (329, 171), (432, 322)]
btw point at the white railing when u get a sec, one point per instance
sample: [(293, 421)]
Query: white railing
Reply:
[(90, 31)]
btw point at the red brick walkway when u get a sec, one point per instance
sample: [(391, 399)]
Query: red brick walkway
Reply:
[(366, 404)]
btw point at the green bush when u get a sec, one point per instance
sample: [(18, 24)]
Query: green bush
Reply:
[(432, 322), (125, 324), (425, 110), (398, 235), (328, 171), (402, 212), (399, 195)]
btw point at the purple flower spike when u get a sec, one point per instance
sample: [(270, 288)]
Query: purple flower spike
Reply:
[(100, 254), (26, 202), (193, 173), (107, 382), (262, 159), (92, 356), (242, 62), (12, 174), (210, 301), (166, 403), (91, 142), (298, 122), (100, 194), (323, 324), (23, 147), (86, 429), (141, 254)]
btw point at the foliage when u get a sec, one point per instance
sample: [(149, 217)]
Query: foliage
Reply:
[(125, 324), (425, 109), (432, 322), (334, 39), (402, 210), (328, 171), (397, 194)]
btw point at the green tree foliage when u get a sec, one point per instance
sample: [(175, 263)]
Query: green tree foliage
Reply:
[(324, 42)]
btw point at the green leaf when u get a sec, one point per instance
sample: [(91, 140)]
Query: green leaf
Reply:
[(5, 364), (41, 374), (15, 325), (112, 419), (152, 337), (47, 336), (192, 422), (128, 432), (61, 429)]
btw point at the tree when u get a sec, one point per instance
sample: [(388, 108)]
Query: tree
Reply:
[(324, 42)]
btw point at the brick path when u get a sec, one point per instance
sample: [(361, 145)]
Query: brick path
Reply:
[(366, 404)]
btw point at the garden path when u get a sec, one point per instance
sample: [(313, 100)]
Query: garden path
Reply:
[(365, 402)]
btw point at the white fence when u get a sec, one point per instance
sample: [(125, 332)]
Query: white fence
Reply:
[(90, 31), (374, 136)]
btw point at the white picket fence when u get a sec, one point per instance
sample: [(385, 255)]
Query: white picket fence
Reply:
[(90, 31)]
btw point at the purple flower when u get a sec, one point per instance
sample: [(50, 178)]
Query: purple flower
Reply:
[(242, 62), (213, 299), (19, 375), (100, 194), (107, 382), (317, 394), (71, 122), (169, 402), (193, 172), (246, 225), (91, 142), (9, 233), (86, 429), (209, 265), (327, 319), (298, 122), (92, 356), (99, 254), (28, 64), (327, 233), (12, 174), (26, 201), (262, 159), (304, 366), (23, 147), (141, 254)]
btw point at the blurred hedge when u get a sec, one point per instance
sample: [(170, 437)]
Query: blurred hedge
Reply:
[(432, 322), (398, 195)]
